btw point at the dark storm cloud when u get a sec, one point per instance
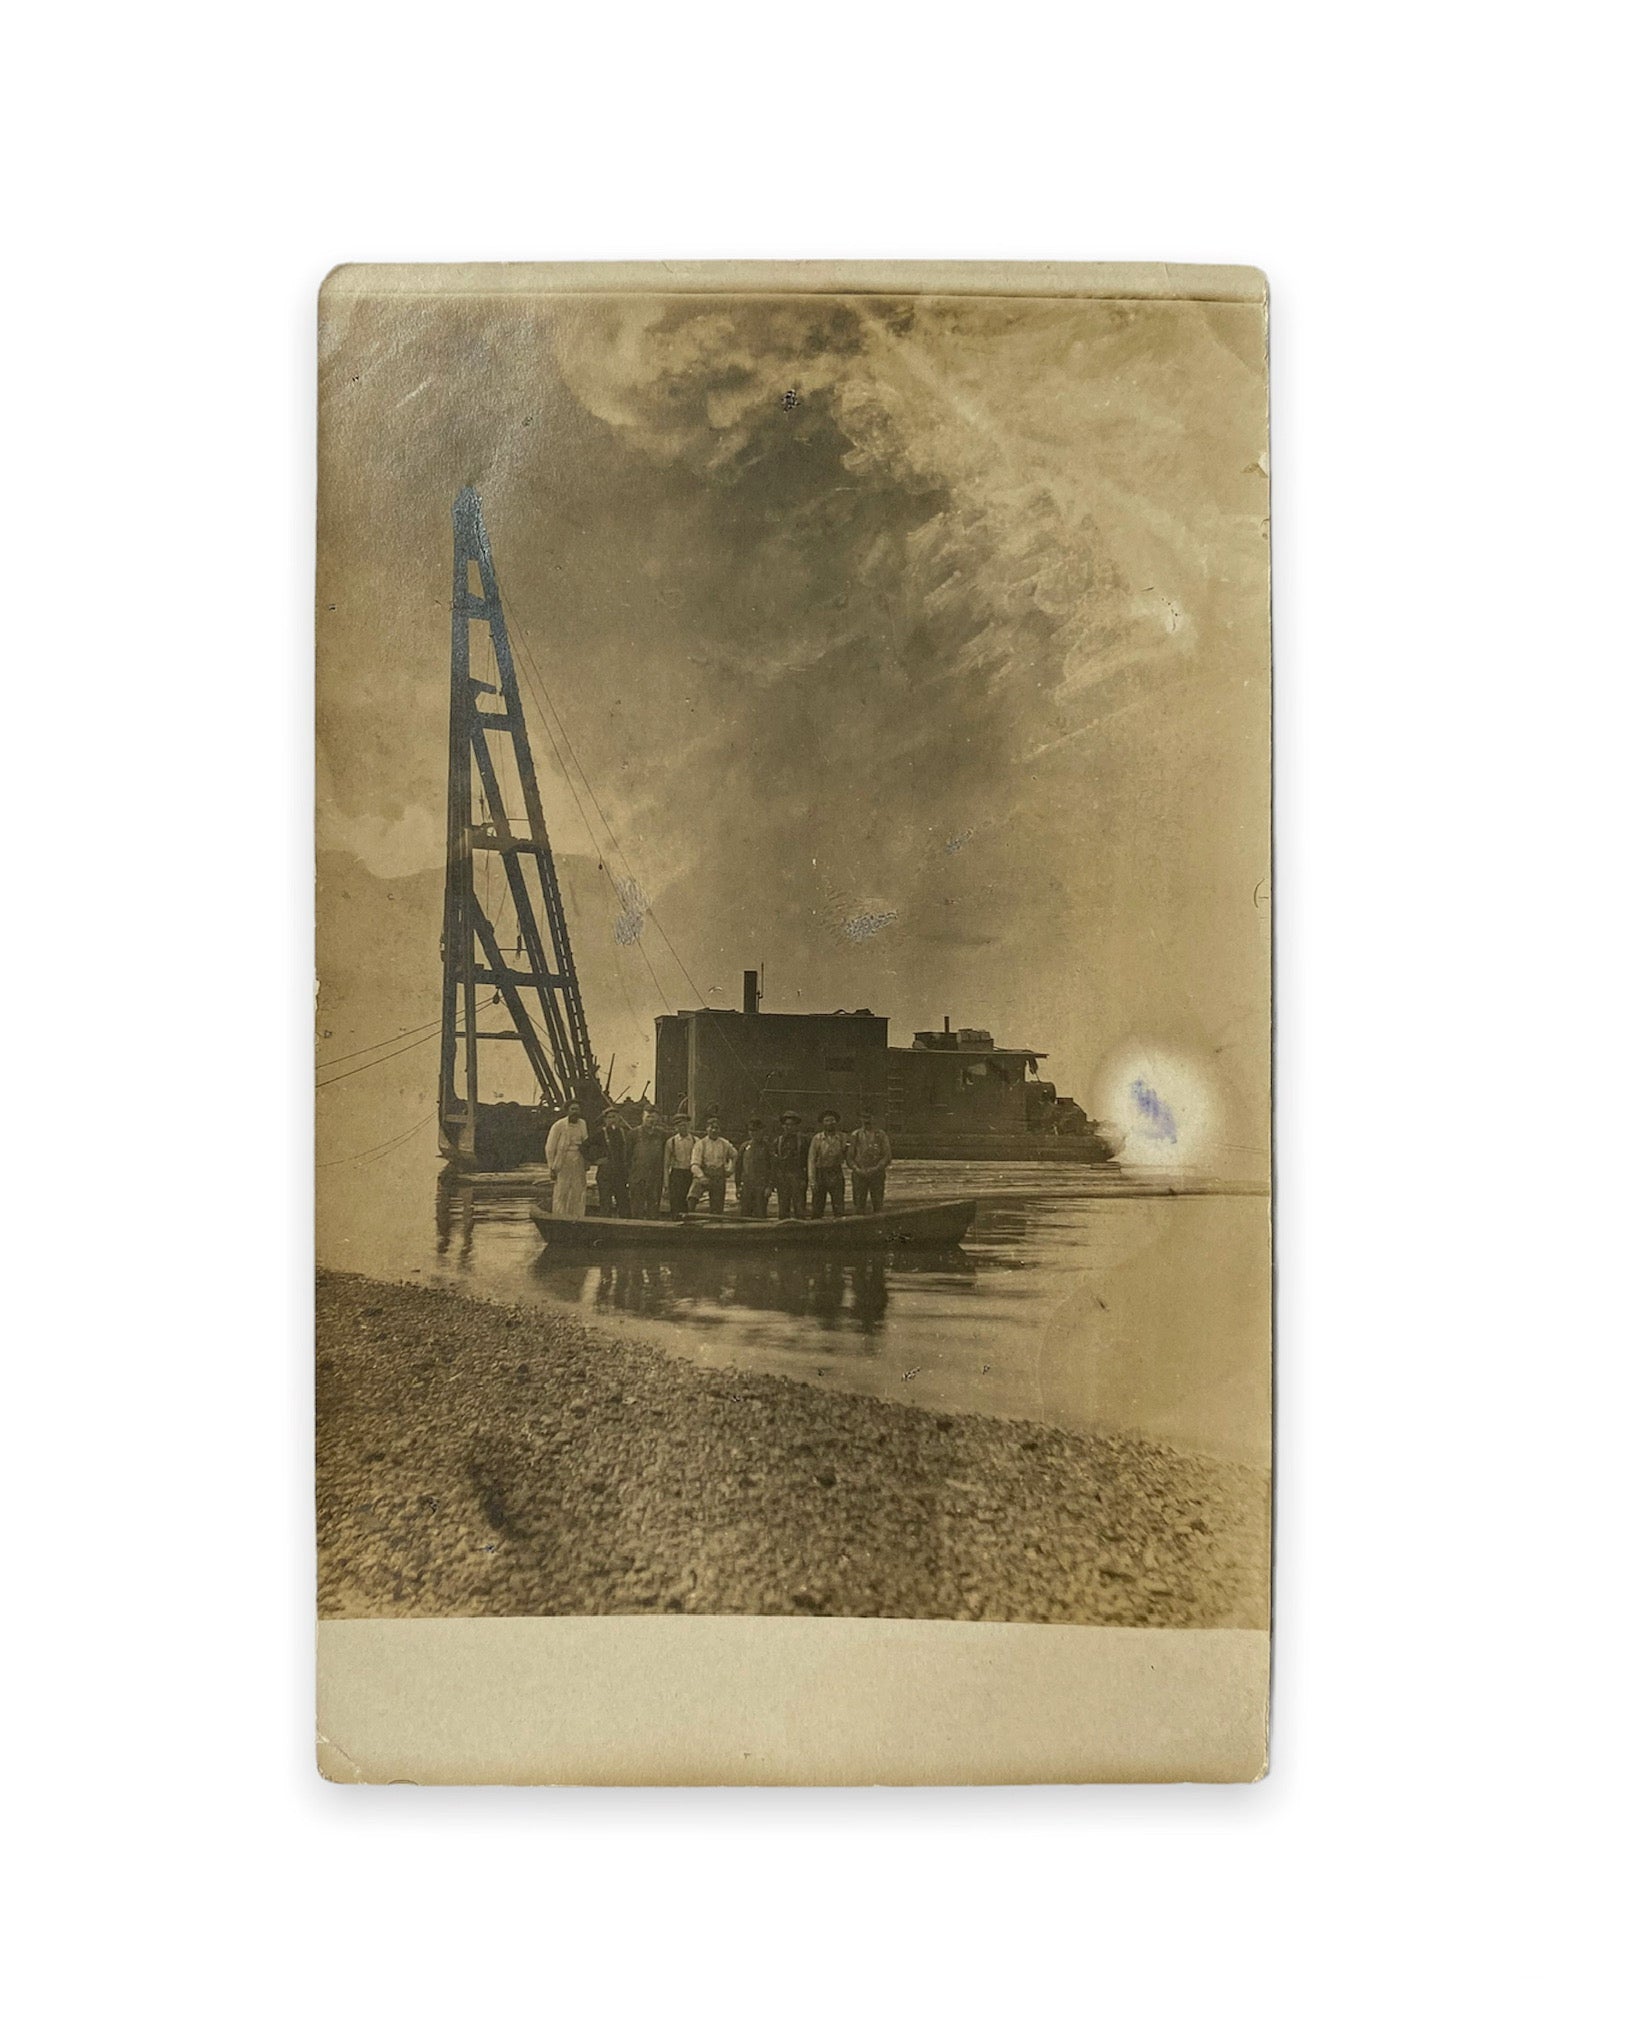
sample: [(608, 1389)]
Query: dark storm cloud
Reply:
[(919, 689), (872, 635)]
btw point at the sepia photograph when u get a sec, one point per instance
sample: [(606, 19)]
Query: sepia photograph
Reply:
[(838, 869), (793, 1029)]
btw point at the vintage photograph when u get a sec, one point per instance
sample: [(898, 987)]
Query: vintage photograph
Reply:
[(793, 894)]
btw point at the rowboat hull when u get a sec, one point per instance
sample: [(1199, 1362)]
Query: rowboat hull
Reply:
[(932, 1224)]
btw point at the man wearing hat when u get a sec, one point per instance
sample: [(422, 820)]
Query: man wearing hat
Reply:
[(871, 1153), (790, 1167), (679, 1160), (713, 1163), (826, 1156)]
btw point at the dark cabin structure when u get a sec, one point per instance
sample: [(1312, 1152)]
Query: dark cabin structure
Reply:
[(751, 1061), (949, 1094)]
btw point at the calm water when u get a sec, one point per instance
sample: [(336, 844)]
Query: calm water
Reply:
[(1077, 1298)]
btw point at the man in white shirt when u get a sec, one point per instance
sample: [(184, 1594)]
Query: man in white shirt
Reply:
[(565, 1162), (679, 1156), (713, 1163)]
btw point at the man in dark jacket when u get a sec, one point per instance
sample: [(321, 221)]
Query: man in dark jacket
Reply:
[(753, 1171), (646, 1178), (790, 1167), (870, 1152), (613, 1198)]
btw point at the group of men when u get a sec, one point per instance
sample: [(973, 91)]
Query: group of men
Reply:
[(647, 1167)]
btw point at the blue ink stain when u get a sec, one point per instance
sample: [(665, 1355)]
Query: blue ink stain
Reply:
[(1156, 1117)]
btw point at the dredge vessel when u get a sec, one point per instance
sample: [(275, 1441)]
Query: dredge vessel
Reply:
[(953, 1093)]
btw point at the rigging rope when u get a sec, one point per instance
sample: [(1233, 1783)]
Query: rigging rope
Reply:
[(544, 706), (649, 911), (337, 1077), (529, 658), (338, 1059), (412, 1047), (378, 1150)]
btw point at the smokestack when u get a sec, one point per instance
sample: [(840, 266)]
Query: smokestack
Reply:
[(750, 991), (946, 1031)]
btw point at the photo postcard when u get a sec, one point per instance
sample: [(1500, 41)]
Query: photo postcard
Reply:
[(793, 1031)]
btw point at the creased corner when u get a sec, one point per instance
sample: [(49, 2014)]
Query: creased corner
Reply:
[(334, 1762)]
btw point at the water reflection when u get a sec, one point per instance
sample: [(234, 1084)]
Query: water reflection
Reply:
[(1072, 1302), (463, 1206), (847, 1294)]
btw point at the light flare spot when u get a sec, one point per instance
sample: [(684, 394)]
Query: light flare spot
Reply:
[(1153, 1113)]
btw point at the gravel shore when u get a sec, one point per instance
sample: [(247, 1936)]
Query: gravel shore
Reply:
[(485, 1460)]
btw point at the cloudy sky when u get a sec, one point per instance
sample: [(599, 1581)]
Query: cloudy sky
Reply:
[(943, 690)]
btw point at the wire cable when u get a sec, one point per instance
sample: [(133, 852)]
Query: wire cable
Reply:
[(413, 1047), (527, 657), (352, 1071), (339, 1058), (549, 715), (378, 1150)]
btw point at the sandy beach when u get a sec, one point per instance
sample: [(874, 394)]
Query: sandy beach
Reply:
[(479, 1459)]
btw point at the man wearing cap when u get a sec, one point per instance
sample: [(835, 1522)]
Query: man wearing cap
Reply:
[(612, 1166), (790, 1167), (753, 1171), (826, 1155), (679, 1158), (713, 1163), (647, 1171), (871, 1153)]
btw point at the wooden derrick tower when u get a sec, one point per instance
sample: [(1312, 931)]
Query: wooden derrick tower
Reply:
[(536, 990)]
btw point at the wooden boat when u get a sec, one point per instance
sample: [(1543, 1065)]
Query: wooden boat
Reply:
[(931, 1224)]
